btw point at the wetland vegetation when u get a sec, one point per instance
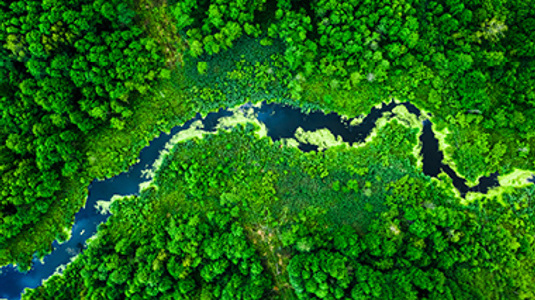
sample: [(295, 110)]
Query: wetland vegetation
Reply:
[(86, 84)]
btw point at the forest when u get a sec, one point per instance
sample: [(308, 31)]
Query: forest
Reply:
[(277, 223), (86, 84)]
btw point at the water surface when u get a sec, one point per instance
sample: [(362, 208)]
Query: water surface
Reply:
[(281, 122)]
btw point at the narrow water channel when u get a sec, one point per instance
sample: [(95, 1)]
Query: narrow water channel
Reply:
[(281, 122), (433, 165)]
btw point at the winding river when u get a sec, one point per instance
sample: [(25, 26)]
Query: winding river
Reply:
[(281, 122)]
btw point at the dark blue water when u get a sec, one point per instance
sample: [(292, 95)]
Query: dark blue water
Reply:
[(433, 165), (88, 218), (281, 122)]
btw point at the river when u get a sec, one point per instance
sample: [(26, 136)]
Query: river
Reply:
[(281, 122)]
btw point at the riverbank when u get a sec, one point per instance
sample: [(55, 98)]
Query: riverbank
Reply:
[(276, 121), (287, 202)]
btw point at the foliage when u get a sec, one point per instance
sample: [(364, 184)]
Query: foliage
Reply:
[(189, 254), (214, 26), (69, 69), (449, 57), (84, 84), (231, 215)]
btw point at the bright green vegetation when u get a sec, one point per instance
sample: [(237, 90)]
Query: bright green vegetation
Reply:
[(469, 63), (74, 78), (85, 84), (234, 216)]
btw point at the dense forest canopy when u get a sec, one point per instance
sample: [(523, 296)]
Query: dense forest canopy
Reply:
[(84, 84), (470, 63), (277, 223), (68, 67)]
